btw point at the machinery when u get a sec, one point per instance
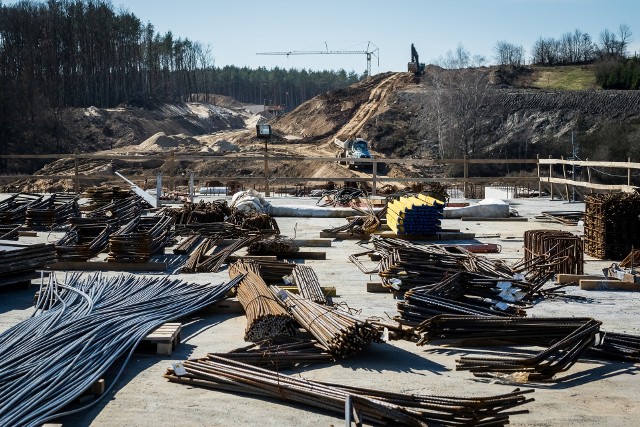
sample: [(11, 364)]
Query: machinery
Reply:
[(353, 147), (415, 66)]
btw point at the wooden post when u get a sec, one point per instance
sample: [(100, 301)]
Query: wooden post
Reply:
[(539, 180), (76, 181), (466, 175), (191, 189), (550, 175), (629, 172), (374, 177), (172, 170), (564, 175), (266, 170), (589, 177), (158, 189)]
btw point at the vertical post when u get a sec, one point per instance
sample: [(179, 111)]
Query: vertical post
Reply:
[(589, 177), (172, 170), (158, 189), (76, 180), (191, 189), (564, 175), (374, 177), (629, 172), (550, 175), (466, 174), (539, 180), (348, 411), (266, 170)]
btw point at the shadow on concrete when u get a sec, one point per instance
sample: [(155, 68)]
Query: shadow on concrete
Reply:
[(389, 358)]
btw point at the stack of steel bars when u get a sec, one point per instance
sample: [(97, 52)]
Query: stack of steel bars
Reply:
[(53, 210), (341, 333), (82, 242), (10, 232), (308, 285), (371, 407), (141, 238), (202, 260), (18, 261), (266, 318), (561, 250), (414, 215), (201, 212), (82, 326), (279, 354), (269, 245), (118, 212), (611, 226), (13, 209)]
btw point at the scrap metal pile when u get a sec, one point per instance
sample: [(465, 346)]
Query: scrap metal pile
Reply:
[(369, 406), (98, 320), (611, 226)]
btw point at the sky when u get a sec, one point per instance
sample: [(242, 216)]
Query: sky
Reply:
[(238, 29)]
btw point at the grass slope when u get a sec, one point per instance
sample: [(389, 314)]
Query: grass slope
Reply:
[(568, 77)]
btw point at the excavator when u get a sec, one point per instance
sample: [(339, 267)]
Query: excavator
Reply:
[(415, 66)]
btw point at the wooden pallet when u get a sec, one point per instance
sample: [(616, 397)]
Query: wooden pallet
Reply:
[(166, 338)]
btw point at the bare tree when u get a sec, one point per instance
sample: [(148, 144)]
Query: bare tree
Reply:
[(624, 32), (508, 53)]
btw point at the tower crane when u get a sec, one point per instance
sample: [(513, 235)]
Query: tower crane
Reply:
[(370, 51)]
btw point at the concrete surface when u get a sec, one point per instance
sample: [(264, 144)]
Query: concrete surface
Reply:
[(590, 393)]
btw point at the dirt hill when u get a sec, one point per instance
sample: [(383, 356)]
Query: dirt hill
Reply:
[(486, 112)]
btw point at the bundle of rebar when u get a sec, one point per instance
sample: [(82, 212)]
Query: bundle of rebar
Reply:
[(201, 212), (371, 407), (340, 197), (306, 280), (558, 357), (414, 215), (141, 238), (260, 222), (82, 326), (222, 230), (13, 209), (10, 231), (82, 242), (208, 256), (611, 225), (272, 245), (563, 251), (279, 353), (53, 210), (341, 333), (117, 212), (19, 261), (266, 318)]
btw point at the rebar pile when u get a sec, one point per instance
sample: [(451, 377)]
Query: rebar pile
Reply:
[(13, 209), (306, 280), (18, 261), (363, 225), (273, 272), (208, 257), (53, 210), (558, 357), (118, 212), (340, 197), (221, 230), (272, 245), (141, 238), (82, 242), (561, 250), (80, 328), (286, 353), (101, 196), (414, 215), (266, 318), (260, 222), (10, 231), (611, 225), (372, 407), (341, 333), (201, 212)]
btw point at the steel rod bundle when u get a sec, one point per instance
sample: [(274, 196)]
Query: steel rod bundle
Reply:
[(13, 209), (266, 318), (340, 197), (82, 242), (308, 285), (273, 272), (221, 230), (256, 222), (202, 260), (341, 333), (372, 407), (201, 212), (558, 357), (562, 250), (19, 261), (53, 210), (286, 353), (141, 238), (188, 244), (272, 245), (414, 215), (9, 231), (118, 212), (82, 325), (611, 225)]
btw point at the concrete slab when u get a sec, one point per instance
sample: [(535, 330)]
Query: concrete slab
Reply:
[(590, 393)]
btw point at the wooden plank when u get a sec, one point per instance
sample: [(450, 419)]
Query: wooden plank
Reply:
[(234, 258), (563, 279), (608, 285), (302, 255), (377, 288), (227, 306), (329, 291), (625, 188), (26, 233), (107, 266)]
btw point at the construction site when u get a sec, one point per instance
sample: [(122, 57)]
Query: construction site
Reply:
[(307, 269)]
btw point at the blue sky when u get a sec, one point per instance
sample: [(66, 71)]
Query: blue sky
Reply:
[(237, 29)]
